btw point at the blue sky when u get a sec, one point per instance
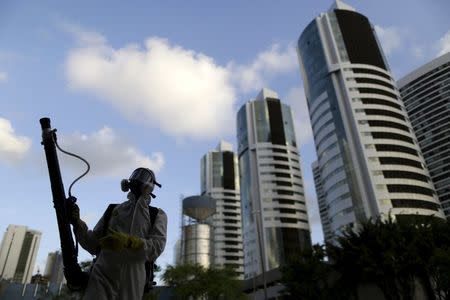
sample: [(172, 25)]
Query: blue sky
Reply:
[(158, 84)]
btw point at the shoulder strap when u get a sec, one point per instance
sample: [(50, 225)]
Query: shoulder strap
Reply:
[(107, 217), (153, 213), (150, 265)]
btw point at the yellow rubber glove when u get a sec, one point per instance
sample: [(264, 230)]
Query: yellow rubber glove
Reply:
[(117, 241), (135, 243)]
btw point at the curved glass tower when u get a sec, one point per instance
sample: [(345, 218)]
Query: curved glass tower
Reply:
[(368, 156), (323, 211), (274, 216), (220, 181), (426, 94)]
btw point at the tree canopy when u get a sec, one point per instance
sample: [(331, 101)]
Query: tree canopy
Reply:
[(201, 283), (394, 256)]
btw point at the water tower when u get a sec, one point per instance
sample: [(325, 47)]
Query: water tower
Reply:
[(196, 232)]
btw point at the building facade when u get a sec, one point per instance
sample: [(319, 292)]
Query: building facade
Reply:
[(368, 155), (18, 253), (54, 268), (220, 181), (426, 94), (274, 215), (321, 199)]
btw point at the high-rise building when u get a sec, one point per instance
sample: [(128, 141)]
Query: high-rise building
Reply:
[(18, 253), (369, 158), (54, 268), (426, 94), (220, 180), (274, 215), (321, 199)]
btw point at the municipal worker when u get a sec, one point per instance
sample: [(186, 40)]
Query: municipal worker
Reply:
[(130, 240)]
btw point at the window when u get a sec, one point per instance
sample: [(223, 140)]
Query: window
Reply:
[(229, 207), (281, 166), (285, 201), (404, 188), (400, 161), (233, 228), (231, 243), (282, 192), (287, 211), (284, 175), (230, 221), (280, 158), (288, 220), (380, 123), (230, 214), (283, 183), (377, 91), (374, 81), (372, 72), (396, 148), (279, 150), (359, 39), (232, 250), (380, 102), (383, 112), (392, 136), (231, 235), (405, 174), (410, 203)]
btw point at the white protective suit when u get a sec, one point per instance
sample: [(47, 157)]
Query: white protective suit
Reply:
[(121, 275)]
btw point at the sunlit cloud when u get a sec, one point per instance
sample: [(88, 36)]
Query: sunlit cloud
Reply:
[(444, 44), (13, 147), (108, 153), (183, 93)]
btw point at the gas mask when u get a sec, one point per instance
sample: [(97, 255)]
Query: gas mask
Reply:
[(141, 182)]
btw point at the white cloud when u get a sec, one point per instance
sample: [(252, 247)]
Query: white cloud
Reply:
[(444, 44), (3, 76), (108, 153), (13, 148), (83, 36), (269, 63), (162, 85), (390, 38), (181, 92), (297, 100)]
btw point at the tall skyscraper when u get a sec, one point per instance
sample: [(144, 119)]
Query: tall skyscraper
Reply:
[(18, 253), (54, 268), (426, 94), (220, 180), (321, 199), (274, 215), (369, 158)]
